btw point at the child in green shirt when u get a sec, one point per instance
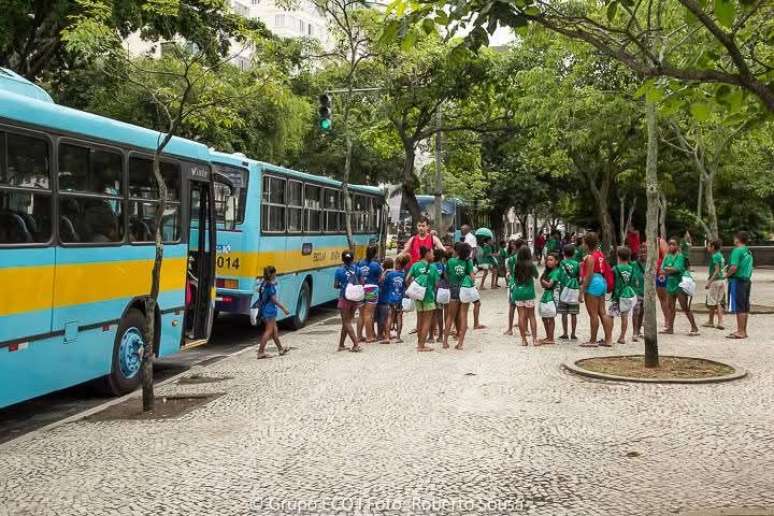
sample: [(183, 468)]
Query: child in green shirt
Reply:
[(623, 272), (739, 274), (674, 267), (549, 280), (716, 285), (487, 261), (523, 293), (569, 270), (424, 272), (638, 275)]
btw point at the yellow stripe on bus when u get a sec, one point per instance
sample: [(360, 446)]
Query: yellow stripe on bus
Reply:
[(288, 261), (32, 288)]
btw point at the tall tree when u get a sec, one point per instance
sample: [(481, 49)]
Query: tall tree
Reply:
[(726, 42), (188, 87)]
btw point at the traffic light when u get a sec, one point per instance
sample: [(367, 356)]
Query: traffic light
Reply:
[(325, 112)]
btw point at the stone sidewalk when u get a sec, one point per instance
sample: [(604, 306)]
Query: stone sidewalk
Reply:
[(495, 429)]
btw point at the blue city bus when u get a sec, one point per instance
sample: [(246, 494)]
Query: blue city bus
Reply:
[(77, 224), (270, 215)]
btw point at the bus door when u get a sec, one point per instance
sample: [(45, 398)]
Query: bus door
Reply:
[(200, 275)]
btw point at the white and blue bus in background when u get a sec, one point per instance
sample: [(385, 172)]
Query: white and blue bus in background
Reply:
[(270, 215), (77, 206), (455, 213)]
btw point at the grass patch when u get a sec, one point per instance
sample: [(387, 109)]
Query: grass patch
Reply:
[(669, 367)]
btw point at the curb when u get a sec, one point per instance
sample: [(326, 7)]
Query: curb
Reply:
[(134, 394), (739, 372)]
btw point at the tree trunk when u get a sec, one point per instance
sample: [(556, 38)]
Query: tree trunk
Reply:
[(662, 211), (709, 198), (524, 223), (699, 196), (149, 352), (650, 322), (601, 195), (629, 218), (622, 218), (345, 191)]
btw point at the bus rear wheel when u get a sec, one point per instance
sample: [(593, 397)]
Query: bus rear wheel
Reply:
[(302, 308), (128, 349)]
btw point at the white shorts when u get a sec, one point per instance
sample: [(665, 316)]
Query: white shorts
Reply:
[(529, 303), (716, 294)]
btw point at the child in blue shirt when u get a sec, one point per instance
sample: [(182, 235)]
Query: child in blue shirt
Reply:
[(394, 286), (370, 273), (346, 274), (382, 306), (268, 303)]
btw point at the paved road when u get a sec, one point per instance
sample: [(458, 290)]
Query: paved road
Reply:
[(495, 429), (229, 336)]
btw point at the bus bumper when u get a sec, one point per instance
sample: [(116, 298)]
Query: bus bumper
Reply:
[(233, 301)]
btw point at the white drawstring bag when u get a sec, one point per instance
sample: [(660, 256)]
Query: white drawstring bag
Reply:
[(570, 296), (443, 296), (407, 304), (626, 304), (547, 310), (354, 292), (416, 291), (688, 284), (469, 295)]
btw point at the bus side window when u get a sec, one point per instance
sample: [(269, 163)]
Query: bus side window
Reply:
[(25, 212), (273, 205), (313, 208), (92, 171), (295, 206), (143, 201)]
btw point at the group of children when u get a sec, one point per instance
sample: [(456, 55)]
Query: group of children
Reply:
[(578, 274)]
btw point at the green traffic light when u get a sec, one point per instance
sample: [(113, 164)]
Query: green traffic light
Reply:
[(325, 124)]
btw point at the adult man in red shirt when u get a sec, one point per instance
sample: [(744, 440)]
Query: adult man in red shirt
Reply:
[(423, 238)]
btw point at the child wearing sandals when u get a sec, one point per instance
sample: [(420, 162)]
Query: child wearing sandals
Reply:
[(523, 294), (569, 270), (549, 280), (394, 285), (382, 306), (267, 295)]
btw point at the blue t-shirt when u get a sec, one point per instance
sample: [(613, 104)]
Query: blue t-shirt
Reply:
[(440, 267), (268, 307), (347, 274), (393, 286), (370, 272), (383, 292)]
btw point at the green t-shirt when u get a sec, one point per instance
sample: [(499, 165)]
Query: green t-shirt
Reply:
[(624, 277), (743, 259), (487, 254), (570, 269), (638, 278), (457, 270), (674, 261), (422, 268), (503, 254), (552, 245), (524, 291), (548, 293), (717, 264)]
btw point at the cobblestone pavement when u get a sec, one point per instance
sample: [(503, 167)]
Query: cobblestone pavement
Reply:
[(495, 429)]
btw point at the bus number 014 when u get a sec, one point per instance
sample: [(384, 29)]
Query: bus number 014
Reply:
[(227, 262)]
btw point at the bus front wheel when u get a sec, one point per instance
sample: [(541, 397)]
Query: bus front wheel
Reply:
[(128, 348), (302, 307)]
